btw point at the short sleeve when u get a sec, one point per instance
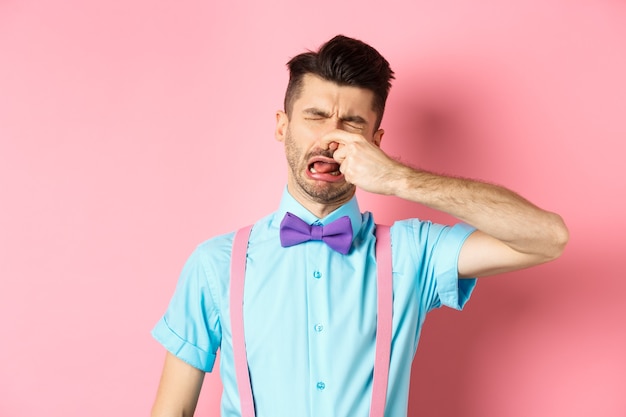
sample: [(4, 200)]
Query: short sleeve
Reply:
[(190, 328), (434, 250), (453, 292)]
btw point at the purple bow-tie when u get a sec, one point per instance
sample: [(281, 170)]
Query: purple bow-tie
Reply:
[(337, 235)]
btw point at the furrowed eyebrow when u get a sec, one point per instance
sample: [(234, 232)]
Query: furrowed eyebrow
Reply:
[(354, 119), (313, 111)]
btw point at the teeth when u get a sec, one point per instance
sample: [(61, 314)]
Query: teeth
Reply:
[(334, 173)]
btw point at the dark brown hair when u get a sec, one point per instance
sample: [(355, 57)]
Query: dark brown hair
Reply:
[(344, 61)]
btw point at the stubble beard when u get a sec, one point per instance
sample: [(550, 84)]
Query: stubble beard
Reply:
[(318, 191)]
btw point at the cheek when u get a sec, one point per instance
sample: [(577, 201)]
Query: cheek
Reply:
[(306, 136), (293, 149)]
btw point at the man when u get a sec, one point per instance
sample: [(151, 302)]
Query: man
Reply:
[(309, 310)]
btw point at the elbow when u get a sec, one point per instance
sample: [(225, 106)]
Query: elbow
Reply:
[(559, 237)]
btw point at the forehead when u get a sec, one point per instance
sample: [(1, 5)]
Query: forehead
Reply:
[(327, 95)]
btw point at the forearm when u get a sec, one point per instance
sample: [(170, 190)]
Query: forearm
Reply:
[(514, 233), (491, 209)]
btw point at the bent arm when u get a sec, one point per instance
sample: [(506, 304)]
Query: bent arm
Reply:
[(512, 232), (179, 389)]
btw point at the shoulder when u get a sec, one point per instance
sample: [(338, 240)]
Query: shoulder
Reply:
[(418, 227), (210, 259), (425, 235), (215, 252)]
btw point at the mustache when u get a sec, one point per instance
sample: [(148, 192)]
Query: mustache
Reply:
[(320, 152)]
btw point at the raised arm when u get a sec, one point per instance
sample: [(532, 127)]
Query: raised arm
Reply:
[(179, 389), (512, 232)]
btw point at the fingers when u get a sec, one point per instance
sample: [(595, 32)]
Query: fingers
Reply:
[(333, 146), (339, 155), (336, 138)]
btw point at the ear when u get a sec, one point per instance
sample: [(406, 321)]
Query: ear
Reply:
[(378, 137), (282, 122)]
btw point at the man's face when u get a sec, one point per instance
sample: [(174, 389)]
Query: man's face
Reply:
[(322, 107)]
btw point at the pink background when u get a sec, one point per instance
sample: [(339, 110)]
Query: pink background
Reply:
[(132, 131)]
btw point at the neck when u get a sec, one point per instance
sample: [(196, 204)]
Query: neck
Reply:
[(318, 208)]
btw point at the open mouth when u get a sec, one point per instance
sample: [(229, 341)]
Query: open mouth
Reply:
[(323, 168), (331, 168)]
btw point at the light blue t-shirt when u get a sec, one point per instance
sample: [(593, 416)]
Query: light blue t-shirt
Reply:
[(310, 312)]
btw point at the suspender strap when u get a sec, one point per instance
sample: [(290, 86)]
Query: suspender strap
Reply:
[(237, 276), (383, 322)]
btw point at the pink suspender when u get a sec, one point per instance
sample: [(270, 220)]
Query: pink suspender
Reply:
[(237, 277), (383, 323)]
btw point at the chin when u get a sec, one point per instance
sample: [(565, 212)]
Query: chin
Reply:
[(330, 193)]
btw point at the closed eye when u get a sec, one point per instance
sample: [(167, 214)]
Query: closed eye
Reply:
[(315, 114), (352, 122), (357, 121), (355, 128)]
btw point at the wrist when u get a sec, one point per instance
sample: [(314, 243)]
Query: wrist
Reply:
[(402, 181)]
